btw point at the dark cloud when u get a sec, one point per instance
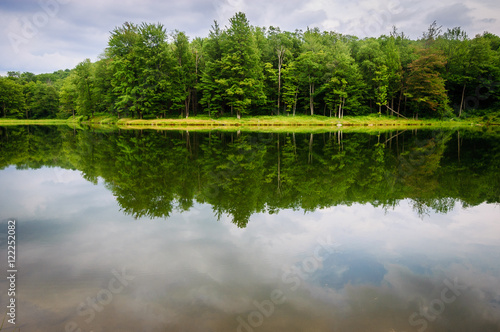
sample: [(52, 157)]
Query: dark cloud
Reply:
[(489, 20), (452, 16)]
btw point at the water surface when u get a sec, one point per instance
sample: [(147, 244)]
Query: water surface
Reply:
[(178, 231)]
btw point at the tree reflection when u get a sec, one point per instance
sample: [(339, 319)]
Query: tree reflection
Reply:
[(154, 173)]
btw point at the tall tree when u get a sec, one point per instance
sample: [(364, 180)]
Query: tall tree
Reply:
[(342, 89), (84, 82), (372, 60), (311, 67), (211, 78), (381, 81), (281, 44), (456, 47), (241, 66), (394, 68), (199, 66), (139, 60), (68, 95), (103, 87), (121, 50), (183, 72), (425, 85), (290, 87)]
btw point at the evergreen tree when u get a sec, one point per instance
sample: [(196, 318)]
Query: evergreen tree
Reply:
[(211, 82)]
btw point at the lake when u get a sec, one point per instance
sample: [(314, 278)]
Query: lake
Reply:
[(122, 230)]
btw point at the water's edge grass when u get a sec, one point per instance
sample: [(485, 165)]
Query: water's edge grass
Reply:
[(259, 123)]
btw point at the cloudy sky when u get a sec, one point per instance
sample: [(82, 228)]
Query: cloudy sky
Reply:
[(46, 35)]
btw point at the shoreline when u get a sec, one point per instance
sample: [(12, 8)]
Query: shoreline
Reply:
[(257, 123)]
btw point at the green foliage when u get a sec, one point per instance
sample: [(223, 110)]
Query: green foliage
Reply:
[(290, 87), (240, 65), (42, 101), (425, 85), (211, 84), (84, 81), (183, 75), (12, 101)]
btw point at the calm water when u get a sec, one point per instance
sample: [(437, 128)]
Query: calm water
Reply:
[(177, 231)]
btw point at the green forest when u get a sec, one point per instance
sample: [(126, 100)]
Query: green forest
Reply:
[(155, 173), (239, 70)]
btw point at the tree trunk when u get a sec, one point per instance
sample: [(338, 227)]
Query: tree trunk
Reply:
[(340, 106), (399, 102), (404, 109), (294, 145), (310, 149), (311, 98), (194, 101), (393, 111), (279, 82), (281, 54), (295, 101), (279, 166), (461, 102), (186, 103), (195, 95)]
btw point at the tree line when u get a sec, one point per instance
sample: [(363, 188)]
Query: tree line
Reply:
[(146, 72)]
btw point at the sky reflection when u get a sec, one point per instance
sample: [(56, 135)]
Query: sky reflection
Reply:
[(345, 268)]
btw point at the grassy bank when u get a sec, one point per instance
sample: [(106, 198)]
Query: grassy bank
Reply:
[(18, 122), (261, 123), (291, 123)]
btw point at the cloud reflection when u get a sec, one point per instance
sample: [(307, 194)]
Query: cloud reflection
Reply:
[(193, 272)]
